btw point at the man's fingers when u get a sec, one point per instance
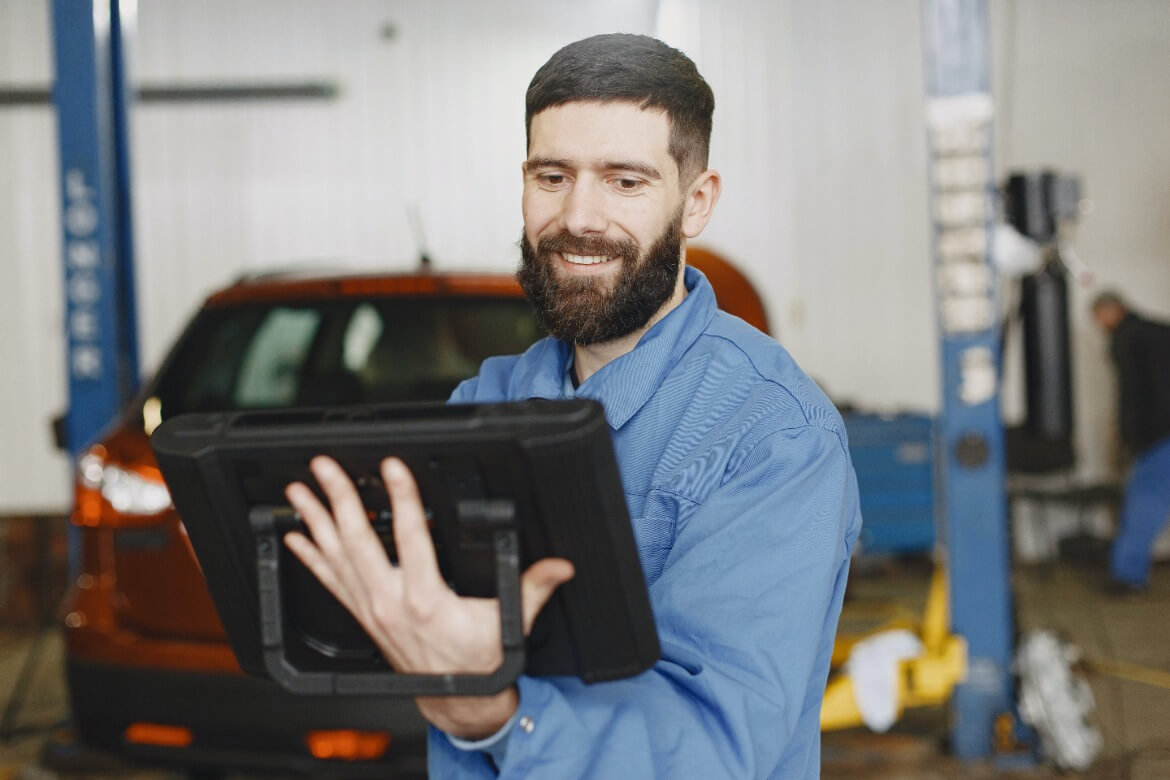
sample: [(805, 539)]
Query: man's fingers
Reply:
[(348, 510), (343, 540), (539, 582), (316, 517), (309, 555), (358, 539), (412, 536)]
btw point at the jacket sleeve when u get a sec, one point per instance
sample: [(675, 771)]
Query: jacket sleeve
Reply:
[(746, 609), (464, 392)]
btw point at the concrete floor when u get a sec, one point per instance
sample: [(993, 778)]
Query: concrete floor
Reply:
[(1125, 647), (1125, 642)]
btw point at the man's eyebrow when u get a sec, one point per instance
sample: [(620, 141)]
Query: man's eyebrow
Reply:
[(633, 166), (649, 171), (548, 162)]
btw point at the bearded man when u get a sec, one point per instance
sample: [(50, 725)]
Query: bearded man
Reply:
[(734, 465)]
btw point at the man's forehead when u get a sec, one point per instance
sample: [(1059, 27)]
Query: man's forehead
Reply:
[(611, 129)]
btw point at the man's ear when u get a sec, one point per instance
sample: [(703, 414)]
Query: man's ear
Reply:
[(702, 196)]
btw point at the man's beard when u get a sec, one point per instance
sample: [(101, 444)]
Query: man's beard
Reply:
[(589, 310)]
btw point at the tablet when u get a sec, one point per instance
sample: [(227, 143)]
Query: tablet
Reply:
[(503, 485)]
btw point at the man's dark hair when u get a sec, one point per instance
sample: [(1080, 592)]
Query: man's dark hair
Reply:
[(638, 69)]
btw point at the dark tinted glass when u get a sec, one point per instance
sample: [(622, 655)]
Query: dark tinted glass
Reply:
[(338, 352)]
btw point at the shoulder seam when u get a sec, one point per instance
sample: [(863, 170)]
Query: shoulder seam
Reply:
[(756, 368)]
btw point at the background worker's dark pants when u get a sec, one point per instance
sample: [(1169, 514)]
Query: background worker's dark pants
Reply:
[(1144, 513)]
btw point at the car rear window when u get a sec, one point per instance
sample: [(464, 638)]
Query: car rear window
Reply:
[(314, 353)]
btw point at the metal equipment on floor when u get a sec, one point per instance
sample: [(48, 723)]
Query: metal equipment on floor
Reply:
[(927, 678)]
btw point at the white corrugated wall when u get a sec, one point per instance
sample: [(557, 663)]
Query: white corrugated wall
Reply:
[(818, 134), (32, 362)]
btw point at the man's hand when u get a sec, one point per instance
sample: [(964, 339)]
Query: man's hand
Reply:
[(417, 621)]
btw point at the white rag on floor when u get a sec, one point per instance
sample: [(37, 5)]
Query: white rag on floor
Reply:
[(873, 667)]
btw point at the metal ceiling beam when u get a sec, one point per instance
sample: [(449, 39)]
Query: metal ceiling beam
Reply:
[(189, 93)]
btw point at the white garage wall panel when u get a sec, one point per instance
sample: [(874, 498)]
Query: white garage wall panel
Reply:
[(859, 166), (818, 135), (429, 117), (33, 475)]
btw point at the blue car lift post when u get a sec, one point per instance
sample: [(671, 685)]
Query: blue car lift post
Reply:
[(100, 322), (959, 113)]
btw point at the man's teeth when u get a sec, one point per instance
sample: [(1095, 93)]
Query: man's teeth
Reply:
[(585, 259)]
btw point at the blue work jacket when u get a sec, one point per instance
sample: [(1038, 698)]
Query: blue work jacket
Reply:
[(744, 506)]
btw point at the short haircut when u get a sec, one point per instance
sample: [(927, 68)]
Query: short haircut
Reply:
[(1108, 298), (637, 69)]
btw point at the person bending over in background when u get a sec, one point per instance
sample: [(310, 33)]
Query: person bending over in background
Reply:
[(734, 465), (1141, 354)]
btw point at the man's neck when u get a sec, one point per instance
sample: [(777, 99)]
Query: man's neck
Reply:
[(588, 359)]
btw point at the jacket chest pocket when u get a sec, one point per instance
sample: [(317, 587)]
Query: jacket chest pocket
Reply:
[(654, 529)]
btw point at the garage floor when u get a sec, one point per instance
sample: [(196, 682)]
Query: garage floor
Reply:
[(1125, 648), (1125, 642)]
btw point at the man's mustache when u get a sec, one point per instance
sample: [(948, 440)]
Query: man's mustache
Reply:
[(588, 246)]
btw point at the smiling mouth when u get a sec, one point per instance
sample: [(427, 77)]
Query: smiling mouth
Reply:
[(585, 259)]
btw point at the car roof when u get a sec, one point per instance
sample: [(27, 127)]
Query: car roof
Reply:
[(301, 285), (734, 292)]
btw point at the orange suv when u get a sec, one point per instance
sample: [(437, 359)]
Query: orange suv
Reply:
[(149, 669)]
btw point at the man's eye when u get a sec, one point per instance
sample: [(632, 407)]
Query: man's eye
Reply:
[(628, 185), (552, 179)]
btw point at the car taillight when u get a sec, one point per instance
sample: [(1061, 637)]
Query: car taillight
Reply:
[(348, 745), (158, 734), (111, 494)]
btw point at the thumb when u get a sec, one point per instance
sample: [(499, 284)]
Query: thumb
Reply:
[(538, 583)]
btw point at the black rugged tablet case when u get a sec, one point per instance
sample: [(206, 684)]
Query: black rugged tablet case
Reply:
[(544, 469)]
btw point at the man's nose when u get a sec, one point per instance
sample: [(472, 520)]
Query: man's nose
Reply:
[(584, 209)]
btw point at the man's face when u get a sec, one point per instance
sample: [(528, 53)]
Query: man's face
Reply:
[(1108, 316), (602, 219)]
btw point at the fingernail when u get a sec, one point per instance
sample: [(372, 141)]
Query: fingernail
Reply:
[(395, 469), (322, 464)]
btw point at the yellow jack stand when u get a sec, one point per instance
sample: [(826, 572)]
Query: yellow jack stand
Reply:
[(923, 681)]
